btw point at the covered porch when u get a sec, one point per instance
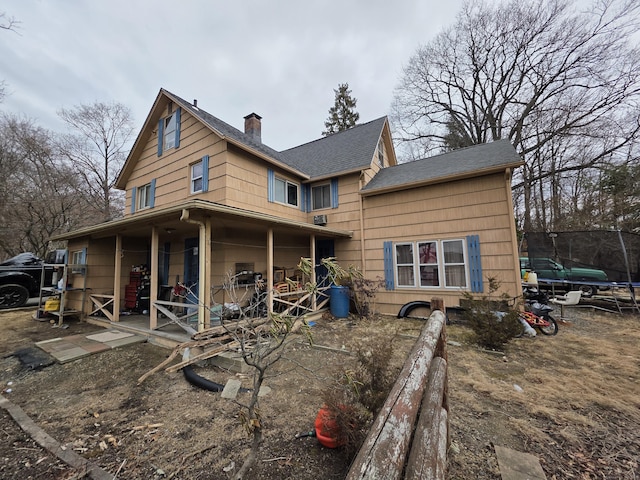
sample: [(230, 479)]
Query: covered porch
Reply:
[(182, 269)]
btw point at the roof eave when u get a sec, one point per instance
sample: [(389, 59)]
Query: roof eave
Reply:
[(443, 179), (116, 225), (124, 173), (120, 182)]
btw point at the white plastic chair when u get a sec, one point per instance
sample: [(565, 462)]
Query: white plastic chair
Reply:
[(571, 298)]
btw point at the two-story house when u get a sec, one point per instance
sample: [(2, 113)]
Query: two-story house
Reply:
[(204, 199)]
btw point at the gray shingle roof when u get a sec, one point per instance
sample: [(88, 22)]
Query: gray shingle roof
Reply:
[(344, 151), (226, 129), (341, 152), (478, 158), (354, 148)]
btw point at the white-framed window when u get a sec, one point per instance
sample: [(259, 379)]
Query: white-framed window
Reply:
[(380, 153), (455, 270), (78, 258), (439, 263), (144, 197), (321, 196), (428, 264), (197, 177), (169, 131), (405, 265), (285, 192)]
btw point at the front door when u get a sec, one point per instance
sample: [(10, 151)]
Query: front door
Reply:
[(191, 269), (324, 249)]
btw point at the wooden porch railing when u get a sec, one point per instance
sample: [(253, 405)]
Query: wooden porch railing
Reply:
[(409, 437)]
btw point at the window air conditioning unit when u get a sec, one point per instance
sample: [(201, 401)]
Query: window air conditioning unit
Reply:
[(320, 220)]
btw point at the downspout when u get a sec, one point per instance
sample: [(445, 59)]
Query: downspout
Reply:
[(202, 263), (362, 254)]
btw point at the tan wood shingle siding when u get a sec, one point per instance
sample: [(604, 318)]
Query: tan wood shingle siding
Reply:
[(447, 211), (171, 169)]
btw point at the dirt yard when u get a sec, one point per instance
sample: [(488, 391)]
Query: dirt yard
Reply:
[(572, 400)]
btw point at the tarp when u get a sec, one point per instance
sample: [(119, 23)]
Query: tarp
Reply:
[(617, 253)]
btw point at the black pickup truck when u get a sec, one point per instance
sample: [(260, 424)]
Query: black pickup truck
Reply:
[(20, 277)]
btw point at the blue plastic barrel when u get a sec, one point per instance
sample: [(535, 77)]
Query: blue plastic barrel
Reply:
[(339, 301)]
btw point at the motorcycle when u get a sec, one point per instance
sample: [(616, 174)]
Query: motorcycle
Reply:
[(537, 312)]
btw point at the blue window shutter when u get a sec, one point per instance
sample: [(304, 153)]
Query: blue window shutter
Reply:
[(178, 112), (152, 193), (389, 283), (160, 136), (475, 263), (270, 184), (205, 173), (334, 193), (133, 200), (304, 193)]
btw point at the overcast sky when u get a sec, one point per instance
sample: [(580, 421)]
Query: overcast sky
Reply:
[(281, 58)]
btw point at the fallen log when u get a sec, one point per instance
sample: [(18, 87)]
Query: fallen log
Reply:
[(424, 455), (386, 447)]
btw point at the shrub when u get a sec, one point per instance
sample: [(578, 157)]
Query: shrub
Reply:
[(357, 394), (491, 318), (363, 293)]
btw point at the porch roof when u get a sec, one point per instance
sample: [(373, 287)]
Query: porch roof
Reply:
[(140, 223)]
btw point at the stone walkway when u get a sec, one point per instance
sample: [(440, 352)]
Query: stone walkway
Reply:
[(73, 347), (518, 465)]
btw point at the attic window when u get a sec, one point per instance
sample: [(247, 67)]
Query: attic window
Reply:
[(380, 153), (170, 131)]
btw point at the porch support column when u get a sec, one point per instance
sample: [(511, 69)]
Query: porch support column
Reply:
[(202, 265), (204, 320), (270, 269), (312, 256), (204, 242), (117, 275), (153, 293)]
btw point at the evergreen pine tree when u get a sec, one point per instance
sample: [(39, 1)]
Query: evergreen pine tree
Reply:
[(342, 115)]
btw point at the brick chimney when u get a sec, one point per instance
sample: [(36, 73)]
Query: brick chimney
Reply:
[(253, 126)]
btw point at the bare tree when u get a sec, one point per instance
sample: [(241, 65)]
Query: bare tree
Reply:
[(542, 74), (39, 193), (6, 23), (97, 150)]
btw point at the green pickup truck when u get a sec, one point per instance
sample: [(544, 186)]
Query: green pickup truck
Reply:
[(546, 268)]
